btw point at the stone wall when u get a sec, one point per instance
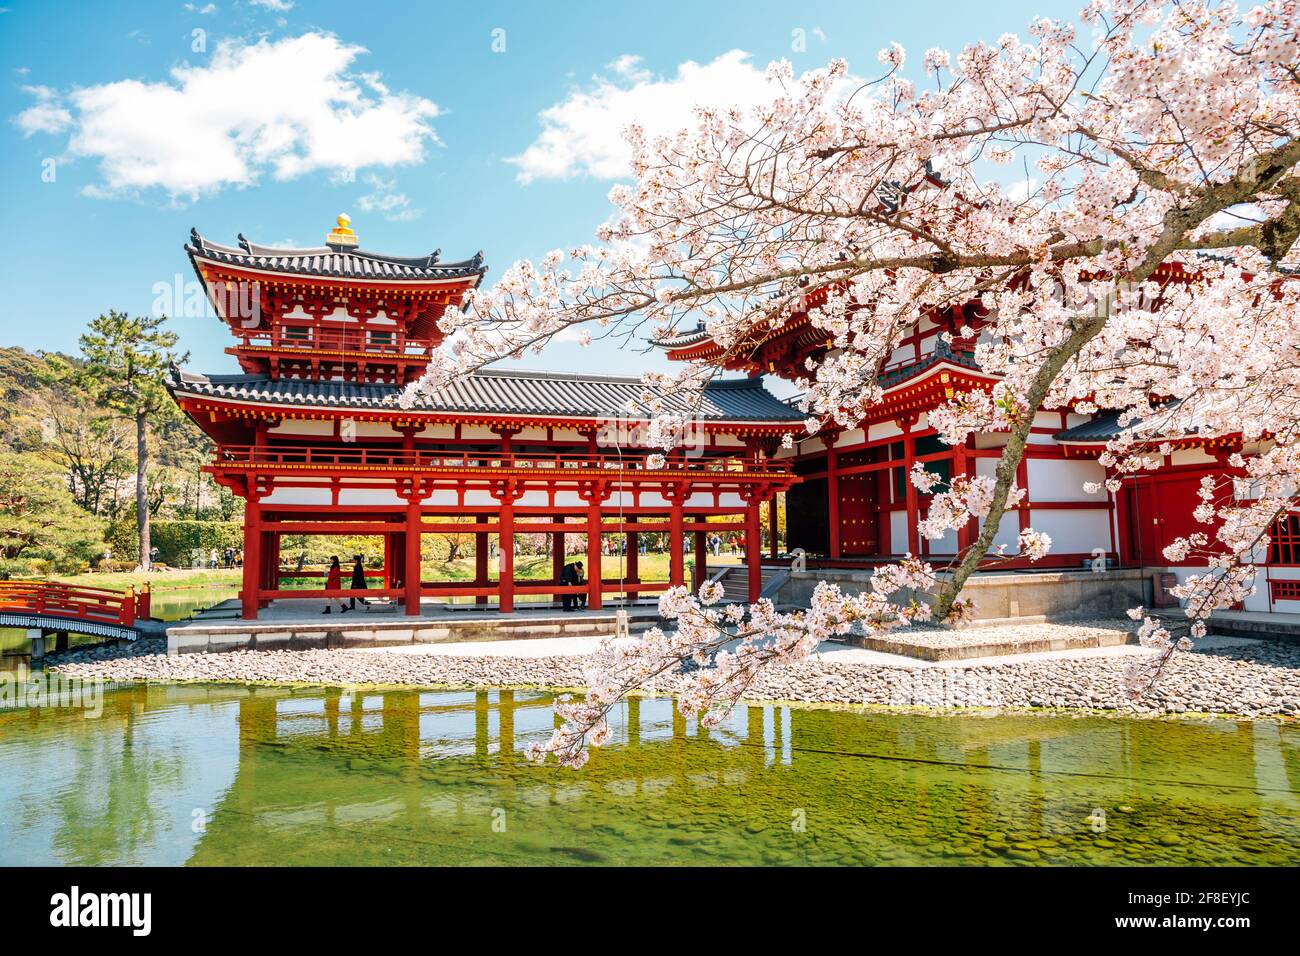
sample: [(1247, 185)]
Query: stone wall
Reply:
[(1003, 595)]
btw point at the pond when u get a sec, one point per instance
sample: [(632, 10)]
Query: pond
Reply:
[(208, 775)]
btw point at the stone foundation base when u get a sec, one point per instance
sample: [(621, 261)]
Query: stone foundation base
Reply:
[(210, 637)]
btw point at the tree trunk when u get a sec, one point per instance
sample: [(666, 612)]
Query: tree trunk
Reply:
[(142, 486)]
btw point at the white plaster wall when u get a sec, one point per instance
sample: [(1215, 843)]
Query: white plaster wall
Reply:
[(299, 496), (1008, 531), (298, 426), (990, 440), (1053, 479), (369, 496), (377, 430), (443, 496), (1073, 531), (945, 545), (1191, 456), (897, 532), (883, 430)]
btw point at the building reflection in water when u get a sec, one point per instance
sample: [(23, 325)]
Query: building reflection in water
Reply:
[(329, 776)]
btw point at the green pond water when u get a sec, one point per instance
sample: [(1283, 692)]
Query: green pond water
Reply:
[(233, 775)]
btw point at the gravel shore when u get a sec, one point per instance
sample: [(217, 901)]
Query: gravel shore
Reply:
[(1247, 678)]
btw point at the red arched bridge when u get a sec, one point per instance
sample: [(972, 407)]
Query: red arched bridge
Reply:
[(53, 607)]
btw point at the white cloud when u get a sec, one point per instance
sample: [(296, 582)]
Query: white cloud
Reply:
[(584, 132), (387, 201), (205, 10), (49, 115), (288, 107), (280, 5)]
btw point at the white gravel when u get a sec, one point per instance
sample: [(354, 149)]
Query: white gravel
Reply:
[(1247, 678)]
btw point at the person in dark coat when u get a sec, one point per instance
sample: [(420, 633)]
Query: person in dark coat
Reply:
[(571, 575), (358, 577)]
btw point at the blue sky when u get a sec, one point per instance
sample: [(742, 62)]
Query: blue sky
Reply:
[(457, 126)]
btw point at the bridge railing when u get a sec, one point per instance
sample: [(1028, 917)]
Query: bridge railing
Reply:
[(74, 601)]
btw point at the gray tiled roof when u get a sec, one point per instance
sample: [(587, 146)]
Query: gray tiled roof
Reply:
[(335, 262), (677, 340), (1101, 429), (1106, 427), (520, 393)]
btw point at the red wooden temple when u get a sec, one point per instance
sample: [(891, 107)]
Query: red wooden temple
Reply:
[(855, 506), (311, 436)]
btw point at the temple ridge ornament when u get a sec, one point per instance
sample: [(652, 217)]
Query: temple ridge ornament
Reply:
[(342, 235)]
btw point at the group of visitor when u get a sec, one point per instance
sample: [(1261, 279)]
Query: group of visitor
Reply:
[(334, 582), (229, 558)]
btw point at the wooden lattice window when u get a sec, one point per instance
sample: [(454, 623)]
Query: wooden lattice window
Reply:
[(1284, 590), (1284, 541)]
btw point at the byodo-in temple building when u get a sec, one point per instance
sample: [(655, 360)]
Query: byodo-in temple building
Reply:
[(310, 434)]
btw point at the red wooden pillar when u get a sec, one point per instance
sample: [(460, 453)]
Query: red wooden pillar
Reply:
[(388, 560), (913, 503), (480, 564), (270, 563), (593, 554), (413, 557), (774, 546), (754, 548), (676, 569), (967, 533), (701, 559), (1022, 482), (252, 557), (506, 554), (632, 549), (557, 553), (833, 496)]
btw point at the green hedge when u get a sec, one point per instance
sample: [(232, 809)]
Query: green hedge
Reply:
[(176, 540)]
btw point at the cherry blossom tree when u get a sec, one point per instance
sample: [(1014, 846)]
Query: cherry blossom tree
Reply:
[(1042, 180)]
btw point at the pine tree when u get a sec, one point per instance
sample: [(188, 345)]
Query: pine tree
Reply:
[(126, 363)]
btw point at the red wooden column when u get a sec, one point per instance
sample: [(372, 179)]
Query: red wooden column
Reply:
[(1022, 482), (632, 547), (270, 563), (701, 558), (252, 556), (412, 574), (388, 560), (557, 553), (480, 564), (832, 494), (754, 547), (913, 503), (506, 553), (961, 464), (774, 546), (676, 566), (593, 552)]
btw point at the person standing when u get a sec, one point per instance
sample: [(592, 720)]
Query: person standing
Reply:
[(334, 582), (358, 577)]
